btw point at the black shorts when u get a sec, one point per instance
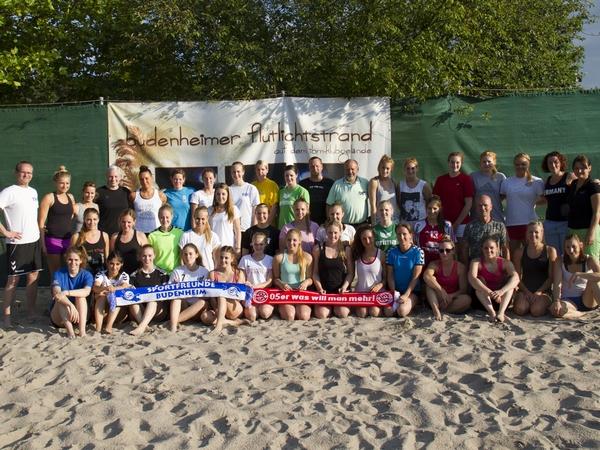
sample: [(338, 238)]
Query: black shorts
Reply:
[(23, 258)]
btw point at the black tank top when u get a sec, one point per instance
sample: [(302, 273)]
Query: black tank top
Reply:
[(58, 224), (331, 271), (558, 200), (96, 256), (129, 252), (535, 271)]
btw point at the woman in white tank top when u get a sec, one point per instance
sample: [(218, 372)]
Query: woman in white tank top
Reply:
[(370, 268), (383, 187), (414, 194), (146, 202)]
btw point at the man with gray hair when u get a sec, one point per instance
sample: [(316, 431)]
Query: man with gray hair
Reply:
[(112, 200), (351, 192), (480, 229)]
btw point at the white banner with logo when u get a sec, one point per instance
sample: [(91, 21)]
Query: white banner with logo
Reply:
[(280, 131)]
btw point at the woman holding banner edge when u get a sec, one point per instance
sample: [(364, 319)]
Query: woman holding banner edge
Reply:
[(292, 269)]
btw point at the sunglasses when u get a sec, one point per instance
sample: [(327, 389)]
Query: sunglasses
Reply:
[(445, 250)]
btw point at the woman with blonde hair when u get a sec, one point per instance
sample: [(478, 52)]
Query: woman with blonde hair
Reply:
[(224, 218), (201, 235), (487, 180), (55, 217), (307, 228), (292, 269), (414, 193), (522, 191), (383, 187), (535, 265)]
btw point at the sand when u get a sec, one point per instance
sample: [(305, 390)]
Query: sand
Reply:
[(355, 383)]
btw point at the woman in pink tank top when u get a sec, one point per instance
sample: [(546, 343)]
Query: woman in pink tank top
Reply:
[(446, 282), (494, 280)]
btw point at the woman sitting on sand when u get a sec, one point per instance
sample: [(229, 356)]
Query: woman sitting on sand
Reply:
[(333, 269), (370, 269), (535, 265), (70, 287), (576, 280), (148, 275), (106, 283), (404, 267), (225, 311), (446, 282), (258, 269), (292, 269), (494, 280), (191, 269)]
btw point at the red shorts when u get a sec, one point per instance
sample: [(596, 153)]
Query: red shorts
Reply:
[(517, 232)]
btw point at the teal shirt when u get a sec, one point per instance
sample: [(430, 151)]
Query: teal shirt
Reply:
[(352, 197), (289, 272)]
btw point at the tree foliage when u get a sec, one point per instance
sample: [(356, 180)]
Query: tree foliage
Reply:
[(60, 50)]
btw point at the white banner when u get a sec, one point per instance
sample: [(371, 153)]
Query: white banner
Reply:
[(285, 130)]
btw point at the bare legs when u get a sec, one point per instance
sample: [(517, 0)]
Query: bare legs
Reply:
[(9, 294)]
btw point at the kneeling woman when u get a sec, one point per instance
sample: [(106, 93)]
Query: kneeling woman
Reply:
[(191, 269), (292, 269), (404, 265), (446, 282), (575, 281), (70, 287), (494, 280), (535, 265), (225, 311), (333, 269)]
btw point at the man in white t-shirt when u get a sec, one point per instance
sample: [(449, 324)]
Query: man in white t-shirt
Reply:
[(243, 195), (19, 204)]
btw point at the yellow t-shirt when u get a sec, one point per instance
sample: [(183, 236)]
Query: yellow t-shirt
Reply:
[(268, 191)]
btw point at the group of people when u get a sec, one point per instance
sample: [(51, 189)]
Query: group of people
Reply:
[(466, 240)]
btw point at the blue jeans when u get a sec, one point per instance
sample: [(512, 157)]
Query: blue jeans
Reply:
[(555, 234)]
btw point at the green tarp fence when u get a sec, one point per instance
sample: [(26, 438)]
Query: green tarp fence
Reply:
[(76, 136)]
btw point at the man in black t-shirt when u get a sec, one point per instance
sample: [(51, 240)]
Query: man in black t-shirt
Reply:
[(318, 187)]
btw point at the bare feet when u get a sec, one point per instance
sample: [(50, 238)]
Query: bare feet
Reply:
[(137, 331), (70, 331), (108, 330), (229, 323), (501, 318), (437, 315), (491, 318)]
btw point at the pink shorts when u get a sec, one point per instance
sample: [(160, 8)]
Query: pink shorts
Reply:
[(517, 232), (56, 246)]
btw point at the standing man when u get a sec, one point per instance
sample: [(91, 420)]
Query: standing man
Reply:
[(318, 188), (351, 193), (480, 229), (19, 203), (243, 195), (112, 200)]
